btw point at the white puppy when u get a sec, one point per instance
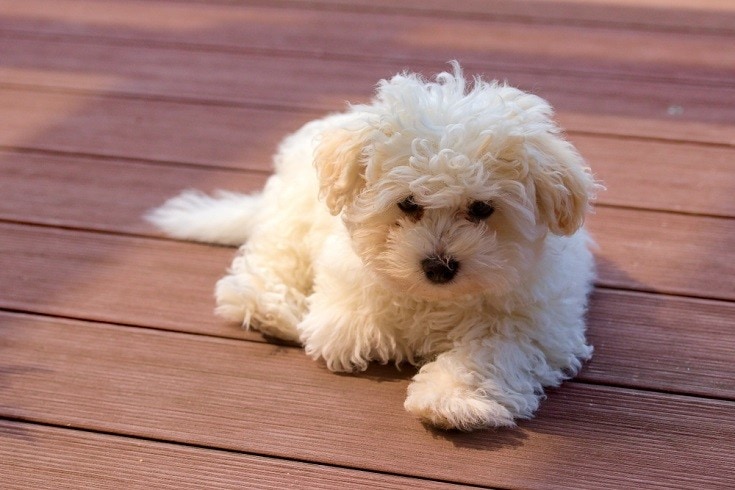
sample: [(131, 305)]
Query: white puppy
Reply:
[(439, 225)]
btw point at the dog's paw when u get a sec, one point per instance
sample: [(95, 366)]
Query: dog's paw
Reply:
[(337, 357), (340, 363), (235, 299), (449, 404), (241, 299)]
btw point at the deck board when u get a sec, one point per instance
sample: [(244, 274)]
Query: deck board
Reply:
[(588, 102), (193, 389), (75, 459), (113, 369), (697, 56), (87, 275), (687, 16), (684, 183), (187, 72)]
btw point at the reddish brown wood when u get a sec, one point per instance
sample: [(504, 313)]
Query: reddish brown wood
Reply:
[(168, 285), (109, 107), (665, 252), (171, 73), (673, 344), (44, 457), (660, 175), (151, 130), (696, 56), (116, 279), (260, 398), (648, 251), (113, 194), (104, 195), (246, 138), (683, 15)]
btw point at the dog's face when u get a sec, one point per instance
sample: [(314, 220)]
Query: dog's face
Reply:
[(447, 192)]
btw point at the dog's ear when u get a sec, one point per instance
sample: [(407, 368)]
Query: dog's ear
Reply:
[(340, 162), (563, 183)]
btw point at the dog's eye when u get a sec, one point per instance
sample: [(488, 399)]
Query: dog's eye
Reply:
[(480, 210), (409, 206)]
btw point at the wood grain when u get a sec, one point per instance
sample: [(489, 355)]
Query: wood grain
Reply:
[(685, 16), (114, 371), (636, 250), (168, 285), (267, 400), (142, 129), (50, 457), (670, 344), (679, 110), (664, 252), (103, 195), (112, 194), (697, 56), (115, 279), (237, 137)]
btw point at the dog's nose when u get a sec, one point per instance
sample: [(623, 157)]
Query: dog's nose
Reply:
[(440, 270)]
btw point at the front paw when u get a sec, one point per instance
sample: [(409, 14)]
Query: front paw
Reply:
[(243, 298), (324, 340), (236, 299), (449, 403)]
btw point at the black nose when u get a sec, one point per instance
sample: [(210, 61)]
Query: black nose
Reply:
[(440, 270)]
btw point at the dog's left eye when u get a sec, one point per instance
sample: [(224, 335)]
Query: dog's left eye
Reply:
[(409, 206), (480, 210)]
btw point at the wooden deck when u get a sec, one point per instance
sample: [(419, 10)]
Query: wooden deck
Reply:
[(115, 374)]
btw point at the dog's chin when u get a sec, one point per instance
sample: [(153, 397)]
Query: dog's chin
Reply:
[(421, 289)]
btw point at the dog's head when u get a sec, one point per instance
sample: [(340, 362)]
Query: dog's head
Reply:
[(448, 189)]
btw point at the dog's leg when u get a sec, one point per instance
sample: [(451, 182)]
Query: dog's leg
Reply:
[(449, 393), (483, 383), (265, 290), (348, 324), (345, 336)]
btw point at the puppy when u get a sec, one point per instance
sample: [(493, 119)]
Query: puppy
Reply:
[(439, 225)]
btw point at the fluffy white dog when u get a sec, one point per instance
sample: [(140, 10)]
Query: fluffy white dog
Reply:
[(439, 225)]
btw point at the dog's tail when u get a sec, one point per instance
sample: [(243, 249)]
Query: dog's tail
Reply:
[(226, 218)]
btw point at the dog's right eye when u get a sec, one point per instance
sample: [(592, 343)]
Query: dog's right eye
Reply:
[(409, 206)]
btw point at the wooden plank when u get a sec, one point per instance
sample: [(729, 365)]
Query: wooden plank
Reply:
[(682, 15), (114, 194), (258, 398), (103, 195), (150, 130), (168, 285), (636, 251), (667, 253), (234, 137), (701, 56), (622, 106), (673, 344), (36, 456), (661, 175), (245, 138), (116, 279)]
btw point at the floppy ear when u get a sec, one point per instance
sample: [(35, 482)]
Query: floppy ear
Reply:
[(564, 185), (340, 160)]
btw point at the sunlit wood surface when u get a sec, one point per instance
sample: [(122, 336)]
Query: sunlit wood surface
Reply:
[(115, 374)]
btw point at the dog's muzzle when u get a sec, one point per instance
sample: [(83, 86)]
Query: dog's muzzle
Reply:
[(439, 269)]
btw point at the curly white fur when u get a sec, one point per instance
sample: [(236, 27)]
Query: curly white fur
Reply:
[(337, 258)]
